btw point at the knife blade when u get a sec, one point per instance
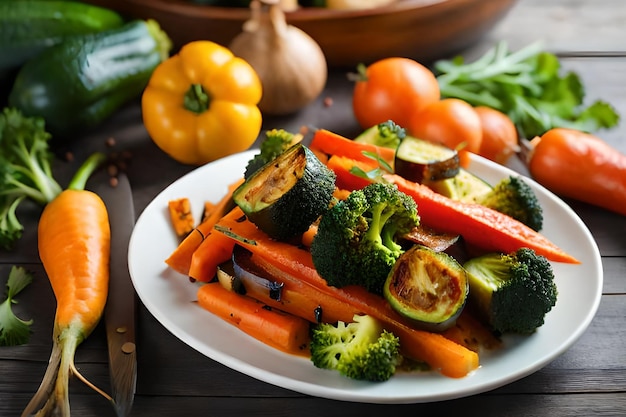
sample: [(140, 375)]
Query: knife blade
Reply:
[(119, 313)]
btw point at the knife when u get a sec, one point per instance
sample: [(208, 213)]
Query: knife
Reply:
[(119, 313)]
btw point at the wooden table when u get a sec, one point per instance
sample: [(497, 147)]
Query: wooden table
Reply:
[(175, 380)]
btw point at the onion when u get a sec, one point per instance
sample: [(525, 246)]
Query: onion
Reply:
[(291, 65)]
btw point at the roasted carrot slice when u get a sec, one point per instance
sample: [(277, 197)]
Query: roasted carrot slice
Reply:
[(332, 143), (180, 259), (273, 327), (181, 216), (212, 251)]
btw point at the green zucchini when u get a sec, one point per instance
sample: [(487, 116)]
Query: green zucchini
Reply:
[(421, 161), (27, 27), (428, 287), (80, 82), (288, 194), (463, 187)]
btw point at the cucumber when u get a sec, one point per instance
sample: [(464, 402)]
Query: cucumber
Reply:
[(80, 82), (27, 27)]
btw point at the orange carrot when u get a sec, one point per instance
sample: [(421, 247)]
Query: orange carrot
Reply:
[(307, 237), (212, 251), (288, 293), (74, 247), (581, 166), (273, 327), (180, 259), (333, 144), (481, 227), (181, 216), (448, 357)]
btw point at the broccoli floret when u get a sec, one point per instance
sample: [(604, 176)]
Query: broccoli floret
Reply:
[(513, 196), (357, 241), (276, 141), (387, 134), (360, 350), (513, 292)]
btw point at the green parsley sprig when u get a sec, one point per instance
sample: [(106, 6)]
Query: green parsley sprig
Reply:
[(13, 330), (529, 86)]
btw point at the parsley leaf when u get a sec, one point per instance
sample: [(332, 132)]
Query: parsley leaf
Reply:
[(13, 330), (528, 86)]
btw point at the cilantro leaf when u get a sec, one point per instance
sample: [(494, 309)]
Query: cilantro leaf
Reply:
[(13, 330)]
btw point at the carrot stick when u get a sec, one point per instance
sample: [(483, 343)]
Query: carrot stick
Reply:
[(273, 327), (442, 354), (333, 144), (287, 293), (180, 259), (74, 242), (212, 251), (480, 226)]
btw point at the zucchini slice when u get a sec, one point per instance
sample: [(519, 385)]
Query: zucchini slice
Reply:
[(288, 194), (428, 287), (420, 161), (464, 186)]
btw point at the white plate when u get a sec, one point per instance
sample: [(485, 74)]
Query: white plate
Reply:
[(170, 298)]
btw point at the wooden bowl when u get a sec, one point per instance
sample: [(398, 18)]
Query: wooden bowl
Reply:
[(424, 30)]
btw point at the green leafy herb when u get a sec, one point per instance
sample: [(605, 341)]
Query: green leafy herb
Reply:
[(13, 330), (527, 85), (25, 170)]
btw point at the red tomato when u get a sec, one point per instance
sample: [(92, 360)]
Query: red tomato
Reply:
[(393, 89), (451, 122), (499, 135)]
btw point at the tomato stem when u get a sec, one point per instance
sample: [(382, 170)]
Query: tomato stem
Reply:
[(197, 99), (359, 75)]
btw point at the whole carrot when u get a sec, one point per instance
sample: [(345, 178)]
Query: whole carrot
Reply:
[(580, 166), (74, 247)]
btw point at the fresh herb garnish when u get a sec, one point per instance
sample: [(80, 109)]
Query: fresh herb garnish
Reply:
[(13, 330), (529, 86)]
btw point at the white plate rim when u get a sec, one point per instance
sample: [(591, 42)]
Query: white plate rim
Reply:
[(170, 297)]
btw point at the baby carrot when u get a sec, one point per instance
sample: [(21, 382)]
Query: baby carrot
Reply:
[(74, 247), (581, 166), (273, 327)]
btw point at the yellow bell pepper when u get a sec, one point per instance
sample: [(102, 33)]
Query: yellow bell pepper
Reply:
[(201, 104)]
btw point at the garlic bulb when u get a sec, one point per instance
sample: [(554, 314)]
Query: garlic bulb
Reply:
[(291, 65)]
